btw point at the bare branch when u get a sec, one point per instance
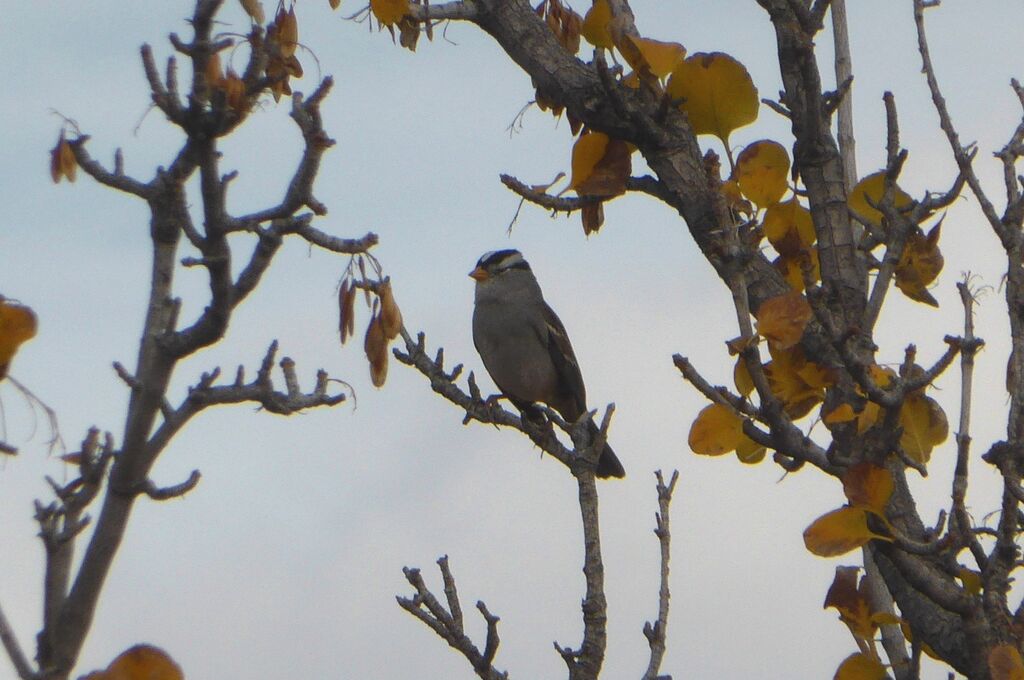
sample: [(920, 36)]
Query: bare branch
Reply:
[(960, 154), (14, 651), (655, 633), (428, 609)]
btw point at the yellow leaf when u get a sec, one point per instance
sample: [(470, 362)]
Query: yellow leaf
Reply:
[(783, 318), (792, 268), (597, 25), (924, 426), (656, 56), (749, 451), (600, 166), (868, 486), (716, 430), (17, 324), (920, 265), (839, 532), (762, 170), (717, 94), (843, 413), (860, 666), (142, 662), (787, 226), (741, 378), (785, 379), (1005, 663), (389, 12), (587, 152), (868, 193), (970, 579)]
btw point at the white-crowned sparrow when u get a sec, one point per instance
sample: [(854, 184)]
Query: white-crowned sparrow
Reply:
[(524, 345)]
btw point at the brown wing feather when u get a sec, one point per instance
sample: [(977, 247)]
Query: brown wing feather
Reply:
[(572, 397)]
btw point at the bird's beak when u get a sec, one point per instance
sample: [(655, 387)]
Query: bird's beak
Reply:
[(479, 274)]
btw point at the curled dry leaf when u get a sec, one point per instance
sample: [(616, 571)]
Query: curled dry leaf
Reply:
[(335, 4), (920, 264), (17, 324), (376, 347), (62, 161), (390, 314), (592, 216), (408, 33)]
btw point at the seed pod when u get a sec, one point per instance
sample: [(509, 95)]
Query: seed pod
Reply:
[(342, 318), (376, 348), (390, 314)]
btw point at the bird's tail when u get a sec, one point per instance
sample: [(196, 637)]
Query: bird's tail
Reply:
[(608, 464)]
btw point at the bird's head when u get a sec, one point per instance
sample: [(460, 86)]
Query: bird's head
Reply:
[(498, 262)]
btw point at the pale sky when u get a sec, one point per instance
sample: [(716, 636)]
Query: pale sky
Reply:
[(285, 561)]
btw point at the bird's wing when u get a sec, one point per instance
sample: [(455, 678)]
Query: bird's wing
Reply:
[(564, 359)]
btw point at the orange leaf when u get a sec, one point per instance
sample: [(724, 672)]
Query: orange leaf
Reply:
[(860, 666), (762, 170), (788, 226), (839, 532), (920, 265), (1005, 663), (389, 12), (142, 662), (17, 324), (716, 430), (843, 413), (335, 4), (868, 193), (717, 94), (597, 25), (924, 426), (658, 57), (868, 486), (783, 318)]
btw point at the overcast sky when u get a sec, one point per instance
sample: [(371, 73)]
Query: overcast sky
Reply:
[(285, 561)]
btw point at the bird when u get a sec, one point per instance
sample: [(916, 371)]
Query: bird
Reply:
[(524, 346)]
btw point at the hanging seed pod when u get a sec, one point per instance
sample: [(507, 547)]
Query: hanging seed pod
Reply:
[(376, 347), (390, 314)]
